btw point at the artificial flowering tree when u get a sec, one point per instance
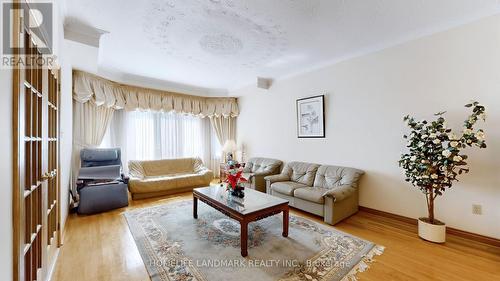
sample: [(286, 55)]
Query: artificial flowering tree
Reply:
[(435, 158)]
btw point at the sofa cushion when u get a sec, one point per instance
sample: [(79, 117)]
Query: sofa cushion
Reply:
[(170, 174), (332, 176), (154, 168), (161, 183), (312, 194), (286, 187), (301, 172), (262, 165)]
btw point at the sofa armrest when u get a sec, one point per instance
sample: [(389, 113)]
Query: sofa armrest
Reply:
[(132, 179), (202, 171), (206, 173), (135, 170), (277, 178), (340, 193), (125, 178)]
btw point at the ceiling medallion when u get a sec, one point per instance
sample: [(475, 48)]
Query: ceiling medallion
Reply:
[(221, 44), (216, 32)]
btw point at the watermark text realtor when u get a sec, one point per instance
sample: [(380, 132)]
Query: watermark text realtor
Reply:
[(35, 46)]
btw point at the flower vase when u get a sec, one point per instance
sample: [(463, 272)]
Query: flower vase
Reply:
[(238, 192)]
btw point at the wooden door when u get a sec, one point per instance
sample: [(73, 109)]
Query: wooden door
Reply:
[(36, 210)]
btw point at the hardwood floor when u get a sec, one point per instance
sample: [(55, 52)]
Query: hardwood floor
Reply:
[(100, 247)]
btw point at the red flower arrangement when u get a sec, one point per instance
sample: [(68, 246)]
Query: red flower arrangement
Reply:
[(234, 178)]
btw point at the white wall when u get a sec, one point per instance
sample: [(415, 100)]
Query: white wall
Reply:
[(367, 97), (66, 107), (6, 174), (66, 134)]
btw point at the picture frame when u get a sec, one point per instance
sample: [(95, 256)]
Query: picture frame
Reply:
[(311, 117)]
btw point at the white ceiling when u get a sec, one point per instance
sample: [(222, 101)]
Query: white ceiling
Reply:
[(222, 45)]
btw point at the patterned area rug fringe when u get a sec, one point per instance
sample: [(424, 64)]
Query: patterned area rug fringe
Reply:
[(364, 264)]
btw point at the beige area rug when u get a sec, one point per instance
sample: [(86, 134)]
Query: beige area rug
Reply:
[(174, 246)]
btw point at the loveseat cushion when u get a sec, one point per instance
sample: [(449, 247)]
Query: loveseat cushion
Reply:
[(312, 194), (286, 187), (262, 166), (301, 172), (329, 176)]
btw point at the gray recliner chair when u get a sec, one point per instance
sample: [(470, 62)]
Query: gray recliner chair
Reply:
[(101, 185)]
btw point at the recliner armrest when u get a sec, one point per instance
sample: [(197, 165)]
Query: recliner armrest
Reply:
[(277, 178), (341, 192), (125, 178)]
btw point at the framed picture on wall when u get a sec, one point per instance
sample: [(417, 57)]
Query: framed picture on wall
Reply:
[(311, 117)]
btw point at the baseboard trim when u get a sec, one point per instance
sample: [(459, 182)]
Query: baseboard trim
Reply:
[(449, 230)]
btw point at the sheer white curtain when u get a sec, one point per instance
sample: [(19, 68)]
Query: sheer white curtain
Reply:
[(159, 135), (90, 123)]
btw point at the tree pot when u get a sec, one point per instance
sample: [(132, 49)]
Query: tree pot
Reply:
[(432, 232)]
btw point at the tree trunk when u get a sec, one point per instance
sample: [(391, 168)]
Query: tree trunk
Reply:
[(430, 207)]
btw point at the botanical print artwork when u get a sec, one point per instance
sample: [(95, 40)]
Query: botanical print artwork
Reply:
[(310, 117)]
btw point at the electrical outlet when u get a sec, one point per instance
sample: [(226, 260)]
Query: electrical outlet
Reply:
[(477, 209)]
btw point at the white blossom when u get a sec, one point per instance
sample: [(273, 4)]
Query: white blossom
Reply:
[(434, 176), (453, 144), (436, 141), (457, 158), (446, 153), (480, 136)]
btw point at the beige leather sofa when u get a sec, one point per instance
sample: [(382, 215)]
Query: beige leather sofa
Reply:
[(327, 191), (257, 168), (163, 177)]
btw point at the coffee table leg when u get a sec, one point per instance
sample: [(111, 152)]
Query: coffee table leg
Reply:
[(285, 222), (195, 207), (244, 238)]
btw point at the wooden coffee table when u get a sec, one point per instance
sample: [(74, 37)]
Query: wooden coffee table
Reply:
[(253, 207)]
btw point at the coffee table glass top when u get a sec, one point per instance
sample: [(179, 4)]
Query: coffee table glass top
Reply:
[(252, 202)]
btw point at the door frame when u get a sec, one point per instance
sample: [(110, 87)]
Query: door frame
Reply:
[(18, 158)]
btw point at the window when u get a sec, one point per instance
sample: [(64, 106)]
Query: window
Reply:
[(145, 135)]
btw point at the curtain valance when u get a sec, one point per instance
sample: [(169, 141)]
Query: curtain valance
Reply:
[(102, 92)]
